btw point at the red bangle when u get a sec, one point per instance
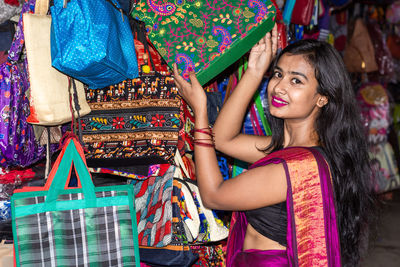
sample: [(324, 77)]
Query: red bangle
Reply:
[(203, 144), (207, 131)]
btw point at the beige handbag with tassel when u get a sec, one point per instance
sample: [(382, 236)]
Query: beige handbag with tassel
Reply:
[(49, 88)]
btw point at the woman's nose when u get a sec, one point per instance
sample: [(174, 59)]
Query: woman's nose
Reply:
[(280, 87)]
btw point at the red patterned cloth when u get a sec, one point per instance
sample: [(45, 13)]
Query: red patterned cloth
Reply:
[(210, 255), (12, 2)]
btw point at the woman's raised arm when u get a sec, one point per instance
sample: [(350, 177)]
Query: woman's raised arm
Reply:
[(227, 127)]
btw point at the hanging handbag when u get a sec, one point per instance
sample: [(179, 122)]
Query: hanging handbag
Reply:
[(211, 227), (373, 100), (177, 252), (135, 122), (18, 146), (153, 196), (49, 97), (302, 12), (359, 55), (61, 226), (384, 168), (91, 41), (383, 56)]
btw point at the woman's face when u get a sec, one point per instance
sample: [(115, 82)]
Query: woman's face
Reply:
[(292, 90)]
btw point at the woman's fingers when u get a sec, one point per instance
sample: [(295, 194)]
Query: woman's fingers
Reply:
[(274, 39), (271, 41), (180, 82), (177, 76), (193, 79)]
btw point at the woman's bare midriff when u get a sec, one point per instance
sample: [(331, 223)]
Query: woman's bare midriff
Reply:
[(255, 240)]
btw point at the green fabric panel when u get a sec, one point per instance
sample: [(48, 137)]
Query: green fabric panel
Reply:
[(261, 113), (236, 51)]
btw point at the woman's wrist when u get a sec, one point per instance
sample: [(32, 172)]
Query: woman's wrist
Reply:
[(254, 75), (200, 113)]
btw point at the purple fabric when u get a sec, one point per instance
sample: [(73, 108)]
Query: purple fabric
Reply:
[(261, 258), (236, 236), (235, 253), (18, 146), (331, 228), (236, 257)]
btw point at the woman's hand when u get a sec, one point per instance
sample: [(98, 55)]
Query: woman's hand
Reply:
[(262, 53), (192, 92)]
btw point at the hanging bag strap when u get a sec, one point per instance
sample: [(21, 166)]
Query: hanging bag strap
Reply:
[(139, 33), (59, 177), (41, 7)]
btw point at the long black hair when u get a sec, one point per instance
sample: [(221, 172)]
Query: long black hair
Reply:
[(342, 137)]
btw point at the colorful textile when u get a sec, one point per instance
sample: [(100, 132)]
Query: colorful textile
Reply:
[(55, 225), (5, 210), (205, 36), (210, 228), (384, 167), (153, 209), (18, 146), (373, 101), (135, 119), (178, 252), (312, 233), (209, 255)]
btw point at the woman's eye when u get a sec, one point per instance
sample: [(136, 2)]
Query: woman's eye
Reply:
[(296, 81), (277, 74)]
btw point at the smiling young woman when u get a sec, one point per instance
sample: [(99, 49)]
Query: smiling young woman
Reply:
[(306, 199)]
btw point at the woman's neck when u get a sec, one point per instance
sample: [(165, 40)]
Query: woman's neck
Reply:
[(300, 134)]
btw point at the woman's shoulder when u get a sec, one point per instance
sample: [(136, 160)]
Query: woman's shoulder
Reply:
[(287, 155)]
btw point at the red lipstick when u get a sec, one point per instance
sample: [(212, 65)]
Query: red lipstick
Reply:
[(278, 102)]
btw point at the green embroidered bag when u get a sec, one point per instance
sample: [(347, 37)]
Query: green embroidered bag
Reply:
[(205, 36)]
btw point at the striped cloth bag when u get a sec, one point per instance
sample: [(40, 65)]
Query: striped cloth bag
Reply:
[(56, 225)]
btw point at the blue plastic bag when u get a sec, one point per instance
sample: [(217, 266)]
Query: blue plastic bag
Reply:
[(91, 40)]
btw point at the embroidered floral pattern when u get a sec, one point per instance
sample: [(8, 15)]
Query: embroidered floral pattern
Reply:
[(189, 32), (158, 120), (138, 118), (118, 123)]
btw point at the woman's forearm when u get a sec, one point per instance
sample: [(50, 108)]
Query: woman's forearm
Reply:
[(208, 174), (229, 121)]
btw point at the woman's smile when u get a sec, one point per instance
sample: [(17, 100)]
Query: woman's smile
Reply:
[(278, 102)]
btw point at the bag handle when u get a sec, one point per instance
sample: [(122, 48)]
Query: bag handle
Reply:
[(139, 31), (179, 163), (59, 177), (41, 7)]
